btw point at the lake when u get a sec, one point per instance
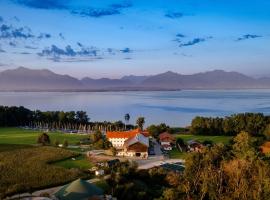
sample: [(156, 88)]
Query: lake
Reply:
[(176, 108)]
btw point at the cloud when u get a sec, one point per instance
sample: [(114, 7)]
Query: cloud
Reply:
[(30, 47), (43, 4), (193, 41), (44, 36), (248, 36), (80, 53), (126, 50), (174, 15), (68, 51), (9, 32), (113, 9), (12, 44), (179, 35), (96, 12), (25, 53), (1, 19), (121, 5), (79, 44), (61, 36), (2, 51)]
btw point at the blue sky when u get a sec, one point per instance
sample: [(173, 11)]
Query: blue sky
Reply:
[(111, 38)]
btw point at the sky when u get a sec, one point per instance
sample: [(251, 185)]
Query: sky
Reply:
[(112, 38)]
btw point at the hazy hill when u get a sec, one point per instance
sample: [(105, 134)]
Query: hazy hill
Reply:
[(32, 80), (29, 79), (217, 79), (104, 83)]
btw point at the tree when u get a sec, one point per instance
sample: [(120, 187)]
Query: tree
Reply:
[(267, 132), (43, 139), (140, 122), (243, 146), (81, 117), (65, 144), (127, 118), (97, 136), (180, 145)]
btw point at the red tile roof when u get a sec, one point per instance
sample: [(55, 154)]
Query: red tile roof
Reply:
[(166, 137), (125, 134)]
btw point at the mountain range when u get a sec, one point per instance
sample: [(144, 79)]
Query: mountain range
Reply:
[(24, 79)]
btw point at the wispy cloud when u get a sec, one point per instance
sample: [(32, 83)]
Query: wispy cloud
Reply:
[(1, 19), (192, 42), (179, 37), (79, 53), (55, 51), (43, 4), (44, 36), (9, 32), (121, 5), (30, 47), (126, 50), (1, 50), (113, 9), (248, 36), (13, 44), (61, 36), (96, 12), (174, 15)]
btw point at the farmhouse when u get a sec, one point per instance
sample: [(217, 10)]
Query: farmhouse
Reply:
[(194, 146), (166, 140), (133, 143)]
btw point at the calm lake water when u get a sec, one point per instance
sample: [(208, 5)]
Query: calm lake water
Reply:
[(174, 108)]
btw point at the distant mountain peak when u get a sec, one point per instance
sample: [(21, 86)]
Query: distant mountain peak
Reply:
[(170, 73), (23, 78)]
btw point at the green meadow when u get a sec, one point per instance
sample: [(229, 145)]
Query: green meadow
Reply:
[(29, 137), (201, 138)]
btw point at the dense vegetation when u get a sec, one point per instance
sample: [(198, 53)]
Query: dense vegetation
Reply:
[(221, 172), (253, 123), (236, 171), (28, 169), (59, 120)]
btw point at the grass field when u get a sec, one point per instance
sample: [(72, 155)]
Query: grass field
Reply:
[(21, 136), (29, 169), (215, 139), (201, 138), (80, 162)]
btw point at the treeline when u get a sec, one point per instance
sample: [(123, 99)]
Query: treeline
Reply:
[(58, 120), (253, 123)]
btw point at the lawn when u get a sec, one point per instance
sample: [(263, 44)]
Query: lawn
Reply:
[(175, 154), (201, 138), (80, 162), (22, 136), (29, 169)]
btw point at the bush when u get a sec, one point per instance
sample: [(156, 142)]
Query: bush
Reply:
[(65, 144), (43, 139)]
